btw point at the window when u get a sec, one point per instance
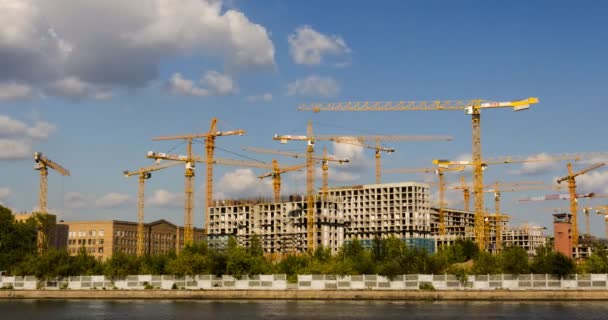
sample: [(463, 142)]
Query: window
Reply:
[(100, 249), (94, 233), (101, 233)]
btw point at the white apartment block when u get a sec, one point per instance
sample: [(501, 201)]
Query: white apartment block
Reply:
[(459, 224), (524, 236), (390, 209), (281, 226)]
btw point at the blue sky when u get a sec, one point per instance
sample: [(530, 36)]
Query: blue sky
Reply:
[(91, 94)]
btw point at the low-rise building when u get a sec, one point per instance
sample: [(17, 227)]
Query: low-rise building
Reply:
[(101, 239)]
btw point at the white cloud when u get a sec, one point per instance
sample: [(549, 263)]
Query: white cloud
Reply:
[(308, 46), (593, 181), (75, 88), (113, 200), (313, 86), (537, 167), (265, 97), (242, 183), (40, 45), (216, 84), (163, 198), (14, 91), (76, 200), (5, 193), (11, 149), (17, 137)]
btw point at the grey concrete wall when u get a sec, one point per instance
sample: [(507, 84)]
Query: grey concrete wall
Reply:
[(412, 282)]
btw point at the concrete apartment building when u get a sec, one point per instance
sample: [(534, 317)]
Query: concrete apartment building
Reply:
[(525, 236), (459, 224), (281, 226), (390, 209), (103, 238)]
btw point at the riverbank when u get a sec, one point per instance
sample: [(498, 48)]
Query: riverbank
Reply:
[(479, 295)]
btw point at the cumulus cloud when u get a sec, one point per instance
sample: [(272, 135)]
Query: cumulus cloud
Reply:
[(242, 183), (593, 181), (76, 200), (42, 47), (265, 97), (540, 165), (74, 88), (113, 200), (14, 91), (308, 46), (314, 86), (215, 84), (165, 199), (17, 137)]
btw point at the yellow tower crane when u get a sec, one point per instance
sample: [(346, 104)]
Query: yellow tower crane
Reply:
[(364, 140), (310, 182), (470, 107), (478, 188), (144, 174), (42, 165), (276, 173), (189, 173), (498, 187), (324, 159), (601, 210), (572, 191), (439, 171)]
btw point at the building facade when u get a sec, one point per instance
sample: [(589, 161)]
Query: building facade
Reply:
[(280, 226), (525, 236), (401, 210), (101, 239)]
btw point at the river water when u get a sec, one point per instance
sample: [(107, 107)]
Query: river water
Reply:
[(263, 309)]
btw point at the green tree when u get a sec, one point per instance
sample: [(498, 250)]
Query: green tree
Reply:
[(514, 260), (255, 246), (17, 240), (485, 263), (548, 261), (84, 264), (121, 265)]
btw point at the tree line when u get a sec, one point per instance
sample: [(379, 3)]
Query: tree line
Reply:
[(388, 256)]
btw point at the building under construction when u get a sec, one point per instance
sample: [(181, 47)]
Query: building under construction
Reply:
[(459, 224), (345, 213), (524, 236), (400, 209), (280, 226)]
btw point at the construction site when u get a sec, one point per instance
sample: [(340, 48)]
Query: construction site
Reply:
[(332, 216)]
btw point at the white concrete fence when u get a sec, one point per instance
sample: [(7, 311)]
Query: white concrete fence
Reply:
[(316, 282)]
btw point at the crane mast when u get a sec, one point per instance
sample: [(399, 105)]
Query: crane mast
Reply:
[(42, 165), (276, 173), (439, 171), (570, 178), (189, 173), (144, 174)]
